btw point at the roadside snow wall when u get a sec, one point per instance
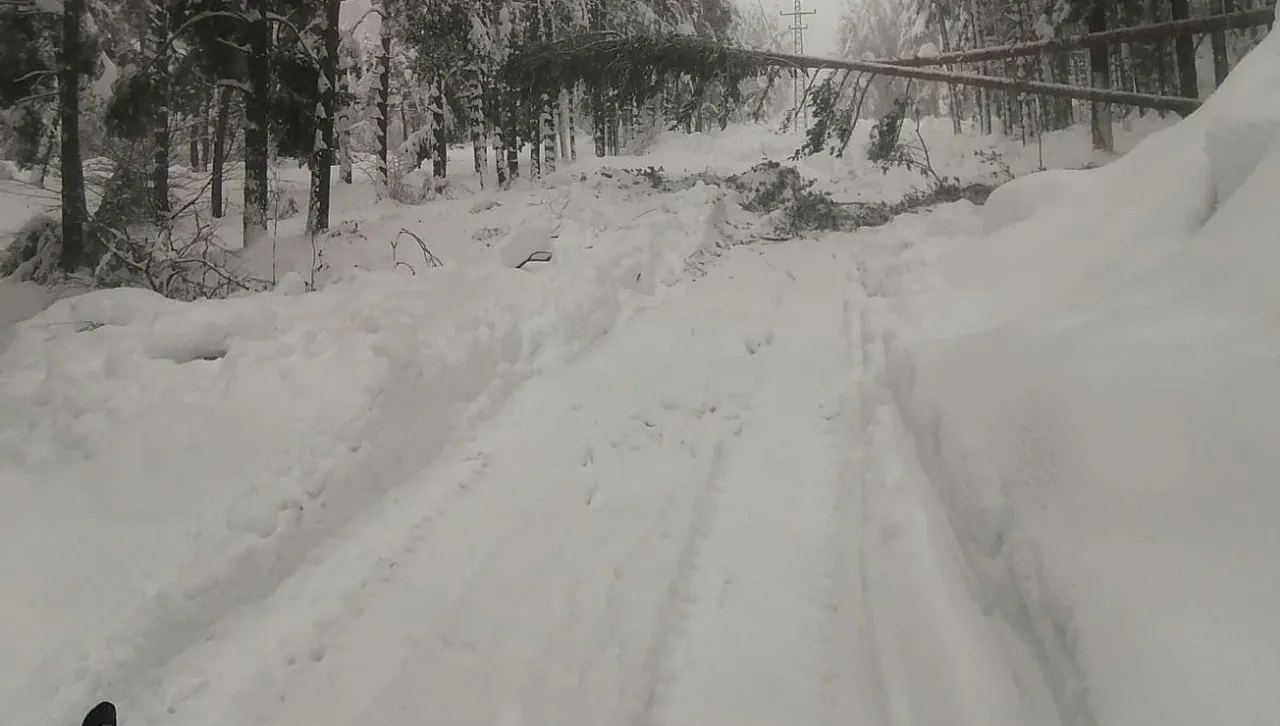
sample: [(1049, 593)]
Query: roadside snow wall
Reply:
[(1092, 390)]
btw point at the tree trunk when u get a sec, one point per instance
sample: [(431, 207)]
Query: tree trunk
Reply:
[(220, 150), (598, 131), (477, 122), (611, 125), (1186, 27), (991, 82), (595, 22), (533, 132), (1066, 107), (440, 144), (159, 41), (511, 137), (562, 122), (75, 251), (418, 143), (48, 145), (1221, 64), (550, 102), (206, 109), (953, 98), (402, 107), (573, 123), (382, 110), (1159, 53), (326, 108), (637, 121), (257, 117), (1184, 49), (548, 135), (500, 139), (343, 120), (1100, 70), (513, 153)]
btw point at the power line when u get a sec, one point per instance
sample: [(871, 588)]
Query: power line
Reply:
[(797, 29)]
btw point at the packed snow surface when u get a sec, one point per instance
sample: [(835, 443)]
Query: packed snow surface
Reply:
[(985, 466)]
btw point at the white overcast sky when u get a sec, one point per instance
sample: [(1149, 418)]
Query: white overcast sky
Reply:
[(820, 38)]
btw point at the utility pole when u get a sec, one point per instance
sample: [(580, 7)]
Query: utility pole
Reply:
[(797, 29)]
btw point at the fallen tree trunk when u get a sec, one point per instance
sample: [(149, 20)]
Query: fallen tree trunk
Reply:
[(1178, 105), (630, 66), (1140, 33)]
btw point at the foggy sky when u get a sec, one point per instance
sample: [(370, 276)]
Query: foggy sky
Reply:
[(820, 38)]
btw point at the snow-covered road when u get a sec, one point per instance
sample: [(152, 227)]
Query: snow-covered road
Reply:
[(665, 531), (1008, 466)]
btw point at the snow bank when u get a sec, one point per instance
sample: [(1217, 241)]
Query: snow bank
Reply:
[(171, 461), (1093, 397), (968, 156)]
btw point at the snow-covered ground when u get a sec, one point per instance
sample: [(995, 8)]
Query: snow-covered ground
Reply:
[(1001, 465)]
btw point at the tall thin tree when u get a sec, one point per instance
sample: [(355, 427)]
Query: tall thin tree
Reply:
[(322, 155), (257, 113), (550, 102), (1184, 50), (162, 80), (75, 251), (382, 109), (221, 127)]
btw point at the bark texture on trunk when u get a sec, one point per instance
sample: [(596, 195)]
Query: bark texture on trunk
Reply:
[(1184, 49), (1100, 73), (257, 112), (161, 78), (440, 142), (573, 123), (75, 249), (220, 151), (502, 179), (343, 120), (478, 124), (322, 153), (383, 110), (1221, 63)]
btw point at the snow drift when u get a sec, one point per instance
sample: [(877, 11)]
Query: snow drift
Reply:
[(1093, 394), (171, 461)]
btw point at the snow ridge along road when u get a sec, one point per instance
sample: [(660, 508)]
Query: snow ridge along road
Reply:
[(663, 532)]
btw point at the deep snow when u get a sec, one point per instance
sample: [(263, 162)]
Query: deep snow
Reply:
[(1091, 390), (999, 465)]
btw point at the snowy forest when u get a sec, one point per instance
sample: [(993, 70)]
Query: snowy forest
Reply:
[(140, 110), (616, 362)]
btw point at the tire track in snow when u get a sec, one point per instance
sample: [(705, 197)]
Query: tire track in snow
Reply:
[(853, 663), (570, 569), (523, 590), (764, 605), (939, 657), (673, 609)]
